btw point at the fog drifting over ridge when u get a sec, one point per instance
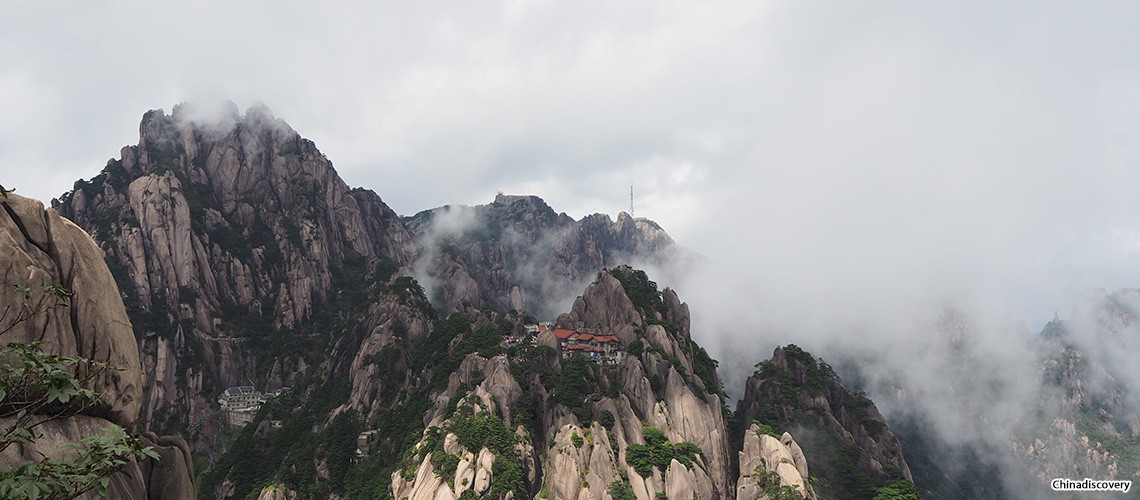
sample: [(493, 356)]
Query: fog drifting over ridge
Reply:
[(831, 155), (833, 162), (849, 172)]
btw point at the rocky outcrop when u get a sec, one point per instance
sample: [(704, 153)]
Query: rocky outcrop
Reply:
[(795, 392), (399, 322), (668, 382), (770, 463), (1085, 412), (517, 253), (277, 492), (224, 228), (39, 249), (473, 452)]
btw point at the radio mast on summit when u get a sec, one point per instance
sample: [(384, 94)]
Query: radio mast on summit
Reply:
[(631, 201)]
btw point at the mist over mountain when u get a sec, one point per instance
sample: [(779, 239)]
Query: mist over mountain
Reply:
[(244, 260)]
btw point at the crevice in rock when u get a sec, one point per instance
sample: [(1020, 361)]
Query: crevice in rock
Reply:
[(20, 224)]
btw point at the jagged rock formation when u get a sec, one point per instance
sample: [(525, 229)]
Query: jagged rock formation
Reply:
[(517, 253), (277, 492), (842, 432), (224, 228), (381, 363), (38, 248), (768, 463), (220, 231), (243, 259), (1089, 423), (672, 382), (652, 424)]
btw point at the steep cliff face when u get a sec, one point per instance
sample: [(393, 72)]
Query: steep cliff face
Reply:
[(650, 423), (842, 432), (221, 231), (517, 253), (1088, 422), (243, 259), (667, 380), (38, 248), (771, 466)]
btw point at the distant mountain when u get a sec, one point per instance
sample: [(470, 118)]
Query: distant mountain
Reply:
[(235, 245), (852, 449), (1090, 416), (517, 253), (244, 259)]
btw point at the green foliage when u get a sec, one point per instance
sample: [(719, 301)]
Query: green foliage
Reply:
[(339, 444), (772, 487), (577, 440), (659, 452), (506, 475), (484, 429), (411, 293), (87, 467), (898, 490), (288, 453), (635, 348), (834, 460), (444, 464), (261, 236), (574, 383), (475, 432), (36, 388), (621, 490), (433, 351), (765, 429), (606, 418), (640, 290), (704, 367)]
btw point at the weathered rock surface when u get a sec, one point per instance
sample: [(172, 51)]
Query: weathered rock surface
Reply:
[(382, 358), (819, 405), (277, 492), (657, 387), (37, 248), (763, 454), (224, 228), (517, 253)]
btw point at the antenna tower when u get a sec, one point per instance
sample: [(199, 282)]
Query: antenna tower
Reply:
[(631, 201)]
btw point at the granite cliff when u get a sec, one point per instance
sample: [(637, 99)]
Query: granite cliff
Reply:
[(410, 343), (220, 235), (841, 431), (232, 238), (517, 253), (38, 248), (651, 423)]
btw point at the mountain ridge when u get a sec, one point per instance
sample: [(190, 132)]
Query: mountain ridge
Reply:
[(244, 259)]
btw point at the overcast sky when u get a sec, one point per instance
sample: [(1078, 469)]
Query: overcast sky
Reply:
[(836, 155)]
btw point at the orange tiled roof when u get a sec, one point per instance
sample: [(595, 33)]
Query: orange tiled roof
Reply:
[(564, 333)]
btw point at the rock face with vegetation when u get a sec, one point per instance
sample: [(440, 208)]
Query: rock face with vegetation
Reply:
[(851, 448), (772, 466), (517, 253), (1088, 422), (58, 292), (570, 428), (232, 238), (222, 234), (243, 259)]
